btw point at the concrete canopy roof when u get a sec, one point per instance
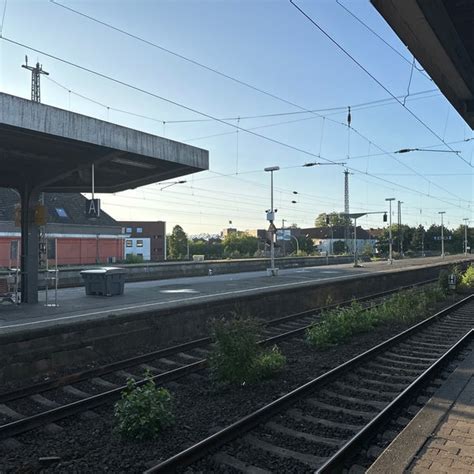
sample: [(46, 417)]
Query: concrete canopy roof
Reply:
[(440, 34), (53, 149)]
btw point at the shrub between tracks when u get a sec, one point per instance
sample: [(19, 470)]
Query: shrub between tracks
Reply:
[(143, 411), (237, 358), (464, 281), (340, 324), (467, 279)]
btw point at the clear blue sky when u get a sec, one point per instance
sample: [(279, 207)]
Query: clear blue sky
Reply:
[(270, 45)]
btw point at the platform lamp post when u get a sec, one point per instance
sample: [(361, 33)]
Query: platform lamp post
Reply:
[(466, 220), (390, 253), (442, 233), (271, 217)]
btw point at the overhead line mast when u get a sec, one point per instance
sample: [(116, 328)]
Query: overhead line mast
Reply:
[(35, 79), (36, 97), (346, 180)]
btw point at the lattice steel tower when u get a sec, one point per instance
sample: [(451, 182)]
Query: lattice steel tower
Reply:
[(35, 79), (36, 97)]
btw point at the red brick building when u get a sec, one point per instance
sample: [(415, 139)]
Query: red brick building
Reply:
[(80, 241)]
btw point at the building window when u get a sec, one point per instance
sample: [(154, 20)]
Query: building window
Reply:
[(61, 212), (139, 230), (139, 243), (128, 243), (128, 230), (139, 255)]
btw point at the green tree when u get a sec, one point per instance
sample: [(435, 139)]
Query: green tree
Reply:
[(417, 239), (178, 243), (239, 244), (339, 247), (335, 220), (210, 248), (367, 251), (305, 244)]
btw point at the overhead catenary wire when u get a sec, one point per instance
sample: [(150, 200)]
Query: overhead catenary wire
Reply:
[(334, 110), (214, 70), (236, 211), (191, 109), (339, 46), (3, 17), (409, 83), (382, 39), (238, 122), (188, 59)]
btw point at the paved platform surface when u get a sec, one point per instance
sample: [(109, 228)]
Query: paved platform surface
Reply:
[(440, 439), (139, 296)]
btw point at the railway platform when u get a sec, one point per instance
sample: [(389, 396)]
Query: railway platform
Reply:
[(35, 340), (440, 438), (74, 305)]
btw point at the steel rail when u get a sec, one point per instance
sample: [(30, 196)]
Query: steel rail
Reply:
[(336, 462), (141, 359), (245, 424), (35, 421), (29, 423)]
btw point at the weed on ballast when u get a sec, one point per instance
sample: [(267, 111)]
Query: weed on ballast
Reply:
[(144, 411), (236, 356), (467, 279), (340, 324)]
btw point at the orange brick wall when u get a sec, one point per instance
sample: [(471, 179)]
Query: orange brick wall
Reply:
[(73, 251)]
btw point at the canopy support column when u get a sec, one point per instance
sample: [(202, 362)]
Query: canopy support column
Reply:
[(29, 246)]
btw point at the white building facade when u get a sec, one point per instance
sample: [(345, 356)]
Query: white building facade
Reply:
[(139, 247)]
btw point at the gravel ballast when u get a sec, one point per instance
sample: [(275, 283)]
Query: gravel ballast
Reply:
[(88, 443)]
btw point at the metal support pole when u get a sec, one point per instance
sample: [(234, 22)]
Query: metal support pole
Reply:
[(355, 243), (56, 273), (93, 180), (442, 233), (465, 235), (390, 256), (331, 247), (271, 217), (29, 247), (46, 278), (17, 273), (272, 243)]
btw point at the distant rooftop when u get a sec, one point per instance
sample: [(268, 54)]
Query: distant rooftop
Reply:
[(62, 208)]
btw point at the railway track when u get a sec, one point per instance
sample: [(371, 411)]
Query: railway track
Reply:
[(44, 403), (321, 425)]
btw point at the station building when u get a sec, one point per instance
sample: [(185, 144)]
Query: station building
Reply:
[(77, 239), (146, 239)]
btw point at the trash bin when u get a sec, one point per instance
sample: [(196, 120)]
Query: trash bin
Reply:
[(104, 281)]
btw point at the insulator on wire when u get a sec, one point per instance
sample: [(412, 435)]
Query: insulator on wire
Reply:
[(349, 118)]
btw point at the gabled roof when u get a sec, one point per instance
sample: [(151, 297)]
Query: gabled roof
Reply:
[(62, 208)]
